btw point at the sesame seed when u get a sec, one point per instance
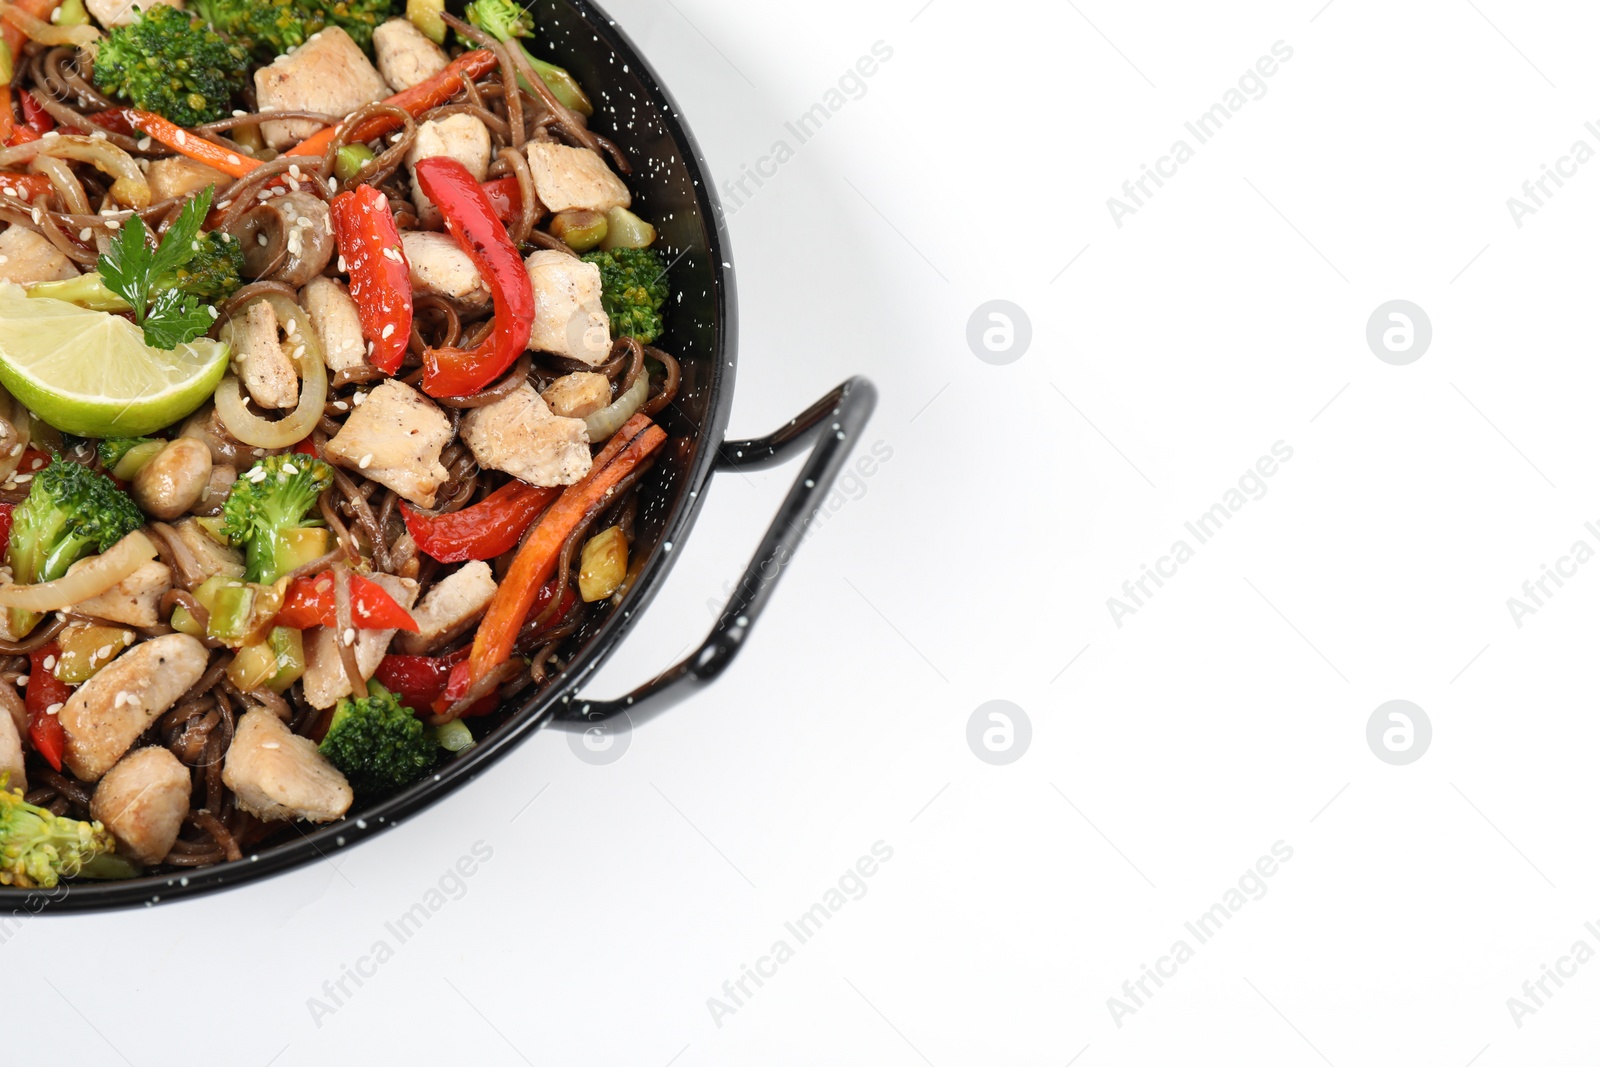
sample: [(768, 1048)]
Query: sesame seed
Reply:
[(350, 636), (23, 680), (54, 709), (388, 331), (85, 233), (366, 461), (103, 652), (144, 144)]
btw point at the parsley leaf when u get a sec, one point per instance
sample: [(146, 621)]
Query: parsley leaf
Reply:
[(131, 267), (174, 318)]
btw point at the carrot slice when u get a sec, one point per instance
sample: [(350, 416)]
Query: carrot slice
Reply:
[(535, 561), (192, 145), (424, 96)]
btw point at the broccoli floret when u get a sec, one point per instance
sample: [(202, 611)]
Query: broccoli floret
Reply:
[(210, 276), (633, 287), (70, 512), (272, 27), (112, 449), (277, 495), (506, 21), (39, 848), (173, 64), (379, 745), (266, 27), (212, 273), (358, 18)]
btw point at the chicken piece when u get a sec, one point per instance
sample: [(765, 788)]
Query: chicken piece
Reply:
[(13, 774), (456, 601), (439, 266), (132, 601), (577, 396), (520, 436), (174, 176), (405, 55), (463, 138), (566, 178), (324, 681), (336, 321), (567, 316), (111, 13), (329, 73), (27, 258), (264, 367), (143, 801), (107, 713), (210, 557), (277, 774), (395, 437)]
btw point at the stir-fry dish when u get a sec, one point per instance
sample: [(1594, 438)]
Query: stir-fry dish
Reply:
[(326, 343)]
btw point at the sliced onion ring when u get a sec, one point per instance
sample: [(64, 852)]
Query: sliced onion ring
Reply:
[(609, 419), (129, 187), (290, 430), (85, 579)]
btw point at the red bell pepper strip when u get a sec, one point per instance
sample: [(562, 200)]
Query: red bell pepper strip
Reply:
[(29, 187), (192, 145), (34, 116), (308, 447), (536, 560), (5, 527), (380, 278), (42, 693), (505, 196), (424, 96), (470, 219), (309, 602), (419, 681), (483, 531)]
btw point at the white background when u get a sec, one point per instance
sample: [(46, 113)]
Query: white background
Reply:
[(1167, 754)]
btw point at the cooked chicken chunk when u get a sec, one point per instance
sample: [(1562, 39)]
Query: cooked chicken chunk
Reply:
[(107, 713), (395, 437), (575, 396), (134, 600), (329, 73), (567, 317), (12, 772), (26, 258), (336, 321), (325, 680), (179, 176), (277, 774), (459, 599), (143, 801), (566, 178), (439, 266), (518, 435), (111, 13), (265, 368), (209, 556), (405, 56), (463, 138)]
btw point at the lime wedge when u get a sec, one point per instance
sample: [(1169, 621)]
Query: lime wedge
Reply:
[(90, 373)]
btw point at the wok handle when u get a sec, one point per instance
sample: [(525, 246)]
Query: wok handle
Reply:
[(834, 422)]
